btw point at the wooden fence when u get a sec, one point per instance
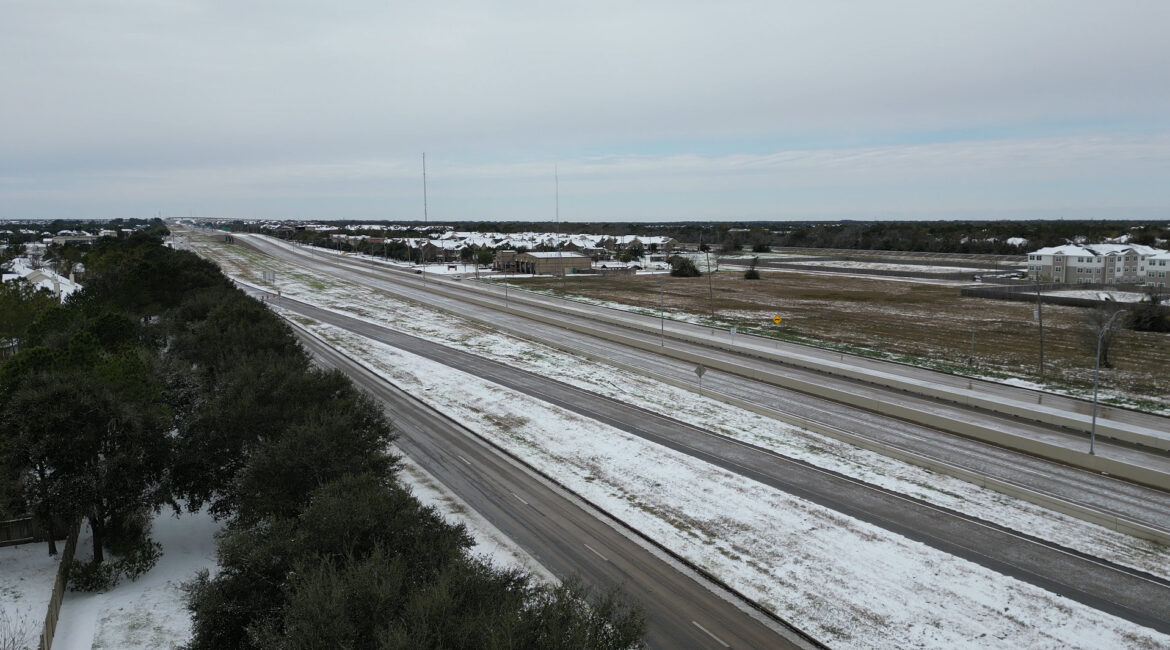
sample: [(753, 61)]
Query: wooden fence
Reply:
[(19, 531), (59, 586)]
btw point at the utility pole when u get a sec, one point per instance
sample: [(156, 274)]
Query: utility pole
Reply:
[(710, 288), (1040, 321), (426, 236), (560, 251)]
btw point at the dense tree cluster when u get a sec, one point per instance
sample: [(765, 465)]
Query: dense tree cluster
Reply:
[(161, 383), (683, 267)]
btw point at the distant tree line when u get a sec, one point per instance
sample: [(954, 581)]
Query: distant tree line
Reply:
[(162, 385), (979, 237)]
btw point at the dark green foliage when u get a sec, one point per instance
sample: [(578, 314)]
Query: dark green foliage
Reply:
[(752, 273), (20, 305), (103, 576), (160, 381), (345, 435), (683, 267), (236, 328), (1150, 315), (364, 566)]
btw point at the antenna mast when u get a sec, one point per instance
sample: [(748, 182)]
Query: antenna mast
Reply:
[(422, 250)]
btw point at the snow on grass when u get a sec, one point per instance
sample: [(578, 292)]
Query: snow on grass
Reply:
[(741, 424), (849, 583), (887, 266), (490, 544), (149, 612), (27, 572), (1097, 294)]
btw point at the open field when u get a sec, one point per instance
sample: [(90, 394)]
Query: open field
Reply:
[(916, 322)]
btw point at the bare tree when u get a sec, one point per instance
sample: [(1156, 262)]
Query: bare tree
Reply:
[(1102, 325), (16, 632)]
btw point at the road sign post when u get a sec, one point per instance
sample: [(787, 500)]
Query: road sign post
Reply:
[(700, 370)]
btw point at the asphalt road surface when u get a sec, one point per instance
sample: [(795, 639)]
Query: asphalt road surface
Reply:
[(566, 536)]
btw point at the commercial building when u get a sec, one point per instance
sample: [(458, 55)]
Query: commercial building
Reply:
[(551, 263)]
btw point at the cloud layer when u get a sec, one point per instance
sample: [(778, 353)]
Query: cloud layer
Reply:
[(650, 110)]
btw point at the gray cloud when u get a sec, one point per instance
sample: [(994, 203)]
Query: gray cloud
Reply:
[(123, 104)]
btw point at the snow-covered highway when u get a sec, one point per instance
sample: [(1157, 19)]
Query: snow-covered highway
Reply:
[(382, 306)]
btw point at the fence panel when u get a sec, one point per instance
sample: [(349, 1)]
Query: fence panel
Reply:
[(59, 586), (19, 531)]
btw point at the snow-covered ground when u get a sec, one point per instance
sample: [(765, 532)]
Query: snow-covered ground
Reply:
[(149, 612), (848, 583), (1097, 294), (27, 573), (888, 266), (737, 546)]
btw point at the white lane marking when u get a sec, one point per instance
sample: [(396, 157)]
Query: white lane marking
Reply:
[(463, 459), (519, 499), (721, 642), (597, 554)]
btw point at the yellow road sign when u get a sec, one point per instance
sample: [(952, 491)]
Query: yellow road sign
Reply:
[(776, 319)]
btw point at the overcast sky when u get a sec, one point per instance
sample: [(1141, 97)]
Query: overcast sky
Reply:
[(672, 110)]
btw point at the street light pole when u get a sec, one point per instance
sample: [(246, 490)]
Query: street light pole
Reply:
[(426, 234), (1096, 377), (661, 313)]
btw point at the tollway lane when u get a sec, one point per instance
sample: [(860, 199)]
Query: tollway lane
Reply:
[(1123, 592), (565, 536)]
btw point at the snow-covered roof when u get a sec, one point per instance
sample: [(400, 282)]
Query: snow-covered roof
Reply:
[(43, 278), (1097, 250), (547, 254)]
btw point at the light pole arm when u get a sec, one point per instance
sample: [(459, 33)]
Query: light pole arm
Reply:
[(1096, 381)]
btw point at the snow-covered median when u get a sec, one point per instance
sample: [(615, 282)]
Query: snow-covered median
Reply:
[(846, 582)]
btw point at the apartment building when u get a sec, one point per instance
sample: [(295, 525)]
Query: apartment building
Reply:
[(1092, 263), (1154, 269)]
